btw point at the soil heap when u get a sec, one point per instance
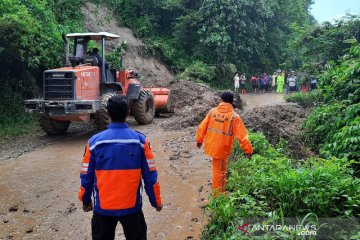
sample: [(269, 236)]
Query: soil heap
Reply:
[(279, 121), (191, 102)]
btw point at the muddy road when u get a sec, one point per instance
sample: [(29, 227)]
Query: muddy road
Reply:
[(38, 190)]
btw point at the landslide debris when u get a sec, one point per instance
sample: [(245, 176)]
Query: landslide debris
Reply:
[(191, 102), (279, 121)]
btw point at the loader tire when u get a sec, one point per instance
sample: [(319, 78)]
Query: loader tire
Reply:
[(53, 127), (143, 108), (102, 119)]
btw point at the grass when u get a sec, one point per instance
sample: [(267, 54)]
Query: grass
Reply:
[(305, 100), (14, 121), (272, 185), (17, 126)]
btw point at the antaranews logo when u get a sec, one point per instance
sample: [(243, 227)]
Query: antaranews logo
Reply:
[(319, 228), (244, 228), (302, 230)]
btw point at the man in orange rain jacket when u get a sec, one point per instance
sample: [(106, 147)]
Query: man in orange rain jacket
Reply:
[(219, 128), (114, 162)]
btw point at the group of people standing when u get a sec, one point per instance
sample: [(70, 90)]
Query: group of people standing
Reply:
[(275, 82)]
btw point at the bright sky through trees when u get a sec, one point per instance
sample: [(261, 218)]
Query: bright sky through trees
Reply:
[(328, 10)]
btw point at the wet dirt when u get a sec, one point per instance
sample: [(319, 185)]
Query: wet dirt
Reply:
[(191, 102), (38, 190), (13, 147), (277, 120)]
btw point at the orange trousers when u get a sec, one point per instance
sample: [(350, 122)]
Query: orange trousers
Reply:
[(219, 169)]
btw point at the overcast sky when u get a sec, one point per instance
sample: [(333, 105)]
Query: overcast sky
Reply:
[(327, 10)]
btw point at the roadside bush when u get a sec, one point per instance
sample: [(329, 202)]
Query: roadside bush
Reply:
[(30, 37), (345, 141), (169, 51), (142, 26), (224, 74), (341, 80), (321, 124), (333, 128), (271, 184), (115, 57), (198, 72), (14, 121), (305, 100)]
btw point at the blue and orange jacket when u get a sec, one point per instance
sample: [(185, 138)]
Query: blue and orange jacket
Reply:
[(114, 162)]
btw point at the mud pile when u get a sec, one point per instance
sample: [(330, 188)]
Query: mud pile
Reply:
[(279, 121), (191, 102)]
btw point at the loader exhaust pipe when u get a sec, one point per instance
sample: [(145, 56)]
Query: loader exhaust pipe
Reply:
[(67, 50)]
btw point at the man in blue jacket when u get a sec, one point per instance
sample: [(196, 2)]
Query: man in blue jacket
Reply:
[(114, 162)]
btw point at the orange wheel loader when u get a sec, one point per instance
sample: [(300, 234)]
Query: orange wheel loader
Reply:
[(80, 90)]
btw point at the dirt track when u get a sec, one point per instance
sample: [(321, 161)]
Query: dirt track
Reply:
[(38, 190)]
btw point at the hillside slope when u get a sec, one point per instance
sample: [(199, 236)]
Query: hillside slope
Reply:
[(152, 71)]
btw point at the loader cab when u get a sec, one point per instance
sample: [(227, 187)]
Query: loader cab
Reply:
[(80, 54)]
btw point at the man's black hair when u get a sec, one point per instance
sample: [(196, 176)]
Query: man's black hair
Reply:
[(227, 97), (118, 108)]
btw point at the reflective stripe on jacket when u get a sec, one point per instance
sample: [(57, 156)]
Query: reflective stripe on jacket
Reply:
[(219, 128), (113, 164)]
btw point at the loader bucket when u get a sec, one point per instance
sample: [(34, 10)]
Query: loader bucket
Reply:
[(162, 98)]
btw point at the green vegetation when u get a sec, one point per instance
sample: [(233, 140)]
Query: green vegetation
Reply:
[(198, 72), (271, 185), (203, 41), (305, 99), (13, 120), (333, 50), (115, 57), (318, 45), (30, 37), (188, 35), (333, 127)]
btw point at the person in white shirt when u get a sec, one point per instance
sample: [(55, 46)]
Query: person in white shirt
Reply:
[(236, 83)]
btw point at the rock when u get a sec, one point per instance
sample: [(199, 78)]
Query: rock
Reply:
[(174, 157), (13, 208), (195, 219), (70, 209)]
